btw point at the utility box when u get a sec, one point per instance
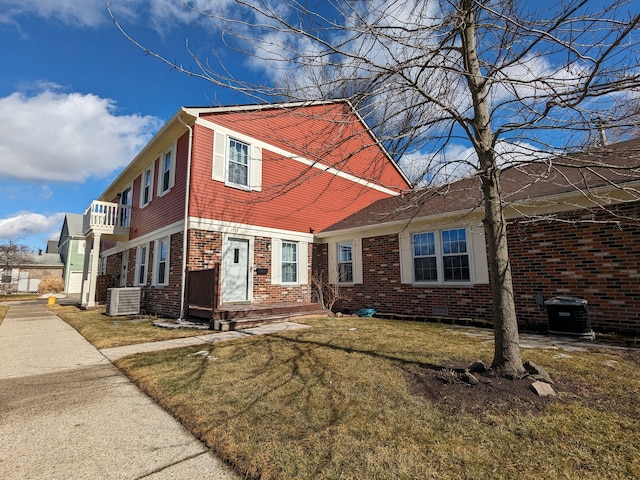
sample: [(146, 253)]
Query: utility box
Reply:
[(569, 316)]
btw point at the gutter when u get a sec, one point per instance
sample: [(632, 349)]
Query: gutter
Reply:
[(185, 243)]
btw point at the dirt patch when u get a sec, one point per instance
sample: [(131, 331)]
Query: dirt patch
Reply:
[(493, 394)]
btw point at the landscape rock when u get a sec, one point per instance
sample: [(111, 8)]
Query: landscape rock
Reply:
[(477, 367), (469, 378), (543, 389), (538, 373)]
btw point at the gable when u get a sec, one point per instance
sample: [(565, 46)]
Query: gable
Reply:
[(328, 135)]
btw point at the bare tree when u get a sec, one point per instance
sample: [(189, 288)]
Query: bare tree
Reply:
[(12, 256), (511, 81)]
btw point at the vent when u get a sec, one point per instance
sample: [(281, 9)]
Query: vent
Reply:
[(123, 301)]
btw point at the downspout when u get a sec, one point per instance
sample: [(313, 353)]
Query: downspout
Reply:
[(185, 243)]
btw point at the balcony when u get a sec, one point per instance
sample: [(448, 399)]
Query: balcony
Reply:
[(109, 219)]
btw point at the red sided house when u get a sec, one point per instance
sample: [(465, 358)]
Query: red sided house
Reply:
[(235, 195), (574, 231)]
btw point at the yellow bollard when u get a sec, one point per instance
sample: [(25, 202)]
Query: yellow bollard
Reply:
[(52, 300)]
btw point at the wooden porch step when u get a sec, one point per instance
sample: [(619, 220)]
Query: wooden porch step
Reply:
[(242, 311), (262, 317)]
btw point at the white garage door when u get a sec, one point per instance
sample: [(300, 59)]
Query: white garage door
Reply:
[(75, 282)]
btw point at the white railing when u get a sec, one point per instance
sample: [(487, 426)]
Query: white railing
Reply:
[(106, 217)]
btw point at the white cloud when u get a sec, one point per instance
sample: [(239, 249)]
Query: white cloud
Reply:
[(67, 137), (88, 13), (457, 161), (25, 224)]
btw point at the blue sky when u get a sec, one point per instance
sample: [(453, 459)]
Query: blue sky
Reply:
[(77, 101)]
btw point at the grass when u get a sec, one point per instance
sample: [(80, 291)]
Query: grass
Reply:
[(104, 332), (333, 402), (3, 312)]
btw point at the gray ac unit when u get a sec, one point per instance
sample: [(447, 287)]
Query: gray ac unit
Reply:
[(123, 301)]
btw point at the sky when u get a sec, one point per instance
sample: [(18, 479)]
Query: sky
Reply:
[(78, 101)]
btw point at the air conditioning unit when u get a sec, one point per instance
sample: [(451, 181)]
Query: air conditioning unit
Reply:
[(123, 301)]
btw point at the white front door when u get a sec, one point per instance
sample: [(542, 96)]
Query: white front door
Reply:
[(236, 271)]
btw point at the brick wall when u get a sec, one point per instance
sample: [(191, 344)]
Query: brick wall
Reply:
[(163, 301), (593, 259), (587, 257), (381, 288), (205, 250)]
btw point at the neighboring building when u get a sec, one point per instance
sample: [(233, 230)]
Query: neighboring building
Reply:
[(424, 255), (71, 248), (236, 190), (24, 275)]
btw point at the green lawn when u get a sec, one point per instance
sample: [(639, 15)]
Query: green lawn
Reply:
[(335, 402)]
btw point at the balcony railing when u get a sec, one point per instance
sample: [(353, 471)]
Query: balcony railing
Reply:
[(107, 218)]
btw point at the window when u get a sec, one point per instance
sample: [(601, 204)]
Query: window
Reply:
[(345, 262), (125, 207), (145, 188), (424, 257), (441, 258), (238, 168), (289, 262), (82, 246), (161, 267), (166, 173), (455, 258), (142, 257)]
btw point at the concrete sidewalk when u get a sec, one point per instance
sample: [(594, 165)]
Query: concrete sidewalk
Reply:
[(114, 353), (67, 412)]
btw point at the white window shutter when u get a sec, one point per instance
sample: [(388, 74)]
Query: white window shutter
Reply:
[(219, 156), (406, 259), (276, 246), (356, 256), (332, 262), (303, 263), (479, 252), (256, 169)]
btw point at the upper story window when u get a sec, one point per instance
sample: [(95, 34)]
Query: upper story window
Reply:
[(146, 186), (237, 162), (238, 169), (345, 262), (125, 207), (442, 257), (166, 175), (289, 259)]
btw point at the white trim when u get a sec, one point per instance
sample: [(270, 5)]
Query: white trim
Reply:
[(171, 150), (206, 123), (478, 270), (156, 262), (356, 260), (297, 263), (247, 230), (136, 281), (168, 230), (150, 168)]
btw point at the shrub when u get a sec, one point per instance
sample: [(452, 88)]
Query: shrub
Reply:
[(50, 284)]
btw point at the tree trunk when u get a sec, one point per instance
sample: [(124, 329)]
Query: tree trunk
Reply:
[(507, 358)]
